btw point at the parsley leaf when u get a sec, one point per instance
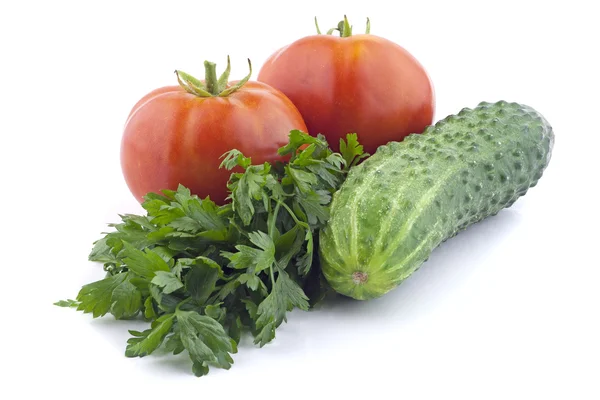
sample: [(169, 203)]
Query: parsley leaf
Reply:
[(149, 309), (351, 150), (266, 257), (253, 282), (167, 280), (165, 302), (297, 139), (133, 229), (102, 252), (305, 260), (173, 342), (315, 206), (304, 180), (289, 245), (67, 303), (248, 188), (126, 300), (96, 297), (144, 343), (200, 215), (216, 312), (201, 279), (252, 259), (205, 340), (285, 295), (144, 263), (234, 158)]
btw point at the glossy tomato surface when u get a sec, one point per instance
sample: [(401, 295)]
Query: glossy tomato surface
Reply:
[(173, 137), (360, 84)]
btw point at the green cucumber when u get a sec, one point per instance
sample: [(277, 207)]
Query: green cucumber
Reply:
[(396, 207)]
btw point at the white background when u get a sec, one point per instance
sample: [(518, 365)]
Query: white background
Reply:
[(509, 309)]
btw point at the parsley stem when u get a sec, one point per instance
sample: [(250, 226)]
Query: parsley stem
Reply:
[(273, 220), (272, 276), (289, 210), (271, 229), (182, 303)]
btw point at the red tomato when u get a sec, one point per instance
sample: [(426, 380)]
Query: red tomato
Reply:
[(176, 137), (360, 84)]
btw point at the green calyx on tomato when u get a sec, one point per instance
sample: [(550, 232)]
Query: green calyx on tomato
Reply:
[(343, 27), (211, 86)]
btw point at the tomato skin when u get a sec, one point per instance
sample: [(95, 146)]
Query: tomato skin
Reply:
[(172, 137), (360, 84)]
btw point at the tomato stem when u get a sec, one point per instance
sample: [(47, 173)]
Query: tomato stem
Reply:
[(210, 77)]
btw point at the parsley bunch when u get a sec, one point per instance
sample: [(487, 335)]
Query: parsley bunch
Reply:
[(202, 274)]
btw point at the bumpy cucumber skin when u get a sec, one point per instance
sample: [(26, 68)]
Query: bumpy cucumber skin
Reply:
[(410, 196)]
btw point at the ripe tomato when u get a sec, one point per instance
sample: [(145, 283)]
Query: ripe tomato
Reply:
[(360, 84), (177, 134)]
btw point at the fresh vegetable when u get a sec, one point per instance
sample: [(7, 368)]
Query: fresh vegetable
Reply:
[(176, 134), (407, 198), (201, 274), (353, 83)]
